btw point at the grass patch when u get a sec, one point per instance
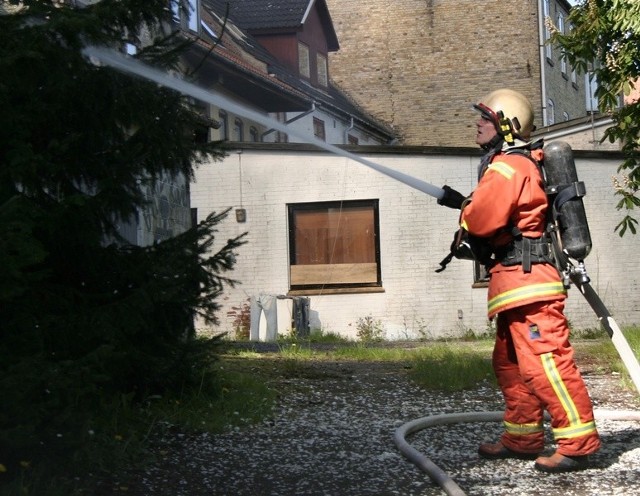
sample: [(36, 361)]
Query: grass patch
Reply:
[(604, 353), (235, 399), (445, 368)]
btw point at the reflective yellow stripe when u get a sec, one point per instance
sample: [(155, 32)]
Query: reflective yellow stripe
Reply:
[(503, 169), (522, 429), (526, 292), (576, 427), (574, 430), (560, 388)]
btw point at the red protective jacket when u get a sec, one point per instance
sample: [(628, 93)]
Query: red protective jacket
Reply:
[(511, 193), (532, 357)]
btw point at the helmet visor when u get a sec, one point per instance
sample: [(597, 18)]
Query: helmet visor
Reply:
[(487, 113)]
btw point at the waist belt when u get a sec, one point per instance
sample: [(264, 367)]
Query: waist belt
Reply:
[(526, 252)]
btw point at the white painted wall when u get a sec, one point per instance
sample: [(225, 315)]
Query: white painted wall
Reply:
[(415, 236)]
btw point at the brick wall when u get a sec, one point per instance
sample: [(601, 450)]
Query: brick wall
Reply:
[(419, 65)]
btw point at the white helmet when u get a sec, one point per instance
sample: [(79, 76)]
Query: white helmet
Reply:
[(510, 111)]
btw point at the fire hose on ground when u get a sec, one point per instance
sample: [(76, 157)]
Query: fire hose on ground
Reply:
[(438, 475)]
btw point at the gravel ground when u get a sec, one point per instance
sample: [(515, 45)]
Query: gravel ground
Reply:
[(332, 434)]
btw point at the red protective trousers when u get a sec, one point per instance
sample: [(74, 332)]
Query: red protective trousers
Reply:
[(533, 362)]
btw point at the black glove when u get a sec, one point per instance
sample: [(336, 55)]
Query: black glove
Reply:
[(451, 198)]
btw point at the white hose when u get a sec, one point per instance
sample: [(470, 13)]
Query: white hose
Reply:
[(438, 475)]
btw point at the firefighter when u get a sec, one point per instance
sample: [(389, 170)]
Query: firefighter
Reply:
[(532, 358)]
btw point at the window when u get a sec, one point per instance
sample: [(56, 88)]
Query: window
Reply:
[(224, 125), (565, 116), (130, 49), (323, 76), (318, 129), (193, 15), (547, 31), (253, 134), (334, 245), (175, 10), (303, 60), (238, 130), (353, 140), (563, 58), (574, 76), (591, 85), (189, 15), (480, 275), (551, 112)]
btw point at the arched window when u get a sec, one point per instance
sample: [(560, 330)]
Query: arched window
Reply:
[(238, 130), (224, 125), (551, 112)]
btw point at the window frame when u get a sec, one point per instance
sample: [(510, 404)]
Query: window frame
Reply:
[(194, 16), (551, 112), (186, 15), (254, 136), (319, 130), (224, 124), (563, 57), (480, 275), (238, 129), (348, 273), (322, 65), (304, 60), (547, 33)]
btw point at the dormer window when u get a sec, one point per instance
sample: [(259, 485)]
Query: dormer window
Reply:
[(304, 67), (323, 77)]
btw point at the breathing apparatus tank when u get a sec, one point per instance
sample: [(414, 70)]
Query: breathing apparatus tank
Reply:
[(565, 197)]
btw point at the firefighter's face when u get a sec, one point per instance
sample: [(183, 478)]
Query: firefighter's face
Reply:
[(485, 131)]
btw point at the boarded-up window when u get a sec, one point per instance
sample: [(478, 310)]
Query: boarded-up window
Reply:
[(334, 244)]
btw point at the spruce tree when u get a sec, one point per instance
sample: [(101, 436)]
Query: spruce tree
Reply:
[(84, 316)]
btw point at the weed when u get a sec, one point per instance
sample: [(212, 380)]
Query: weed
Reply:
[(369, 329), (419, 327), (242, 320)]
